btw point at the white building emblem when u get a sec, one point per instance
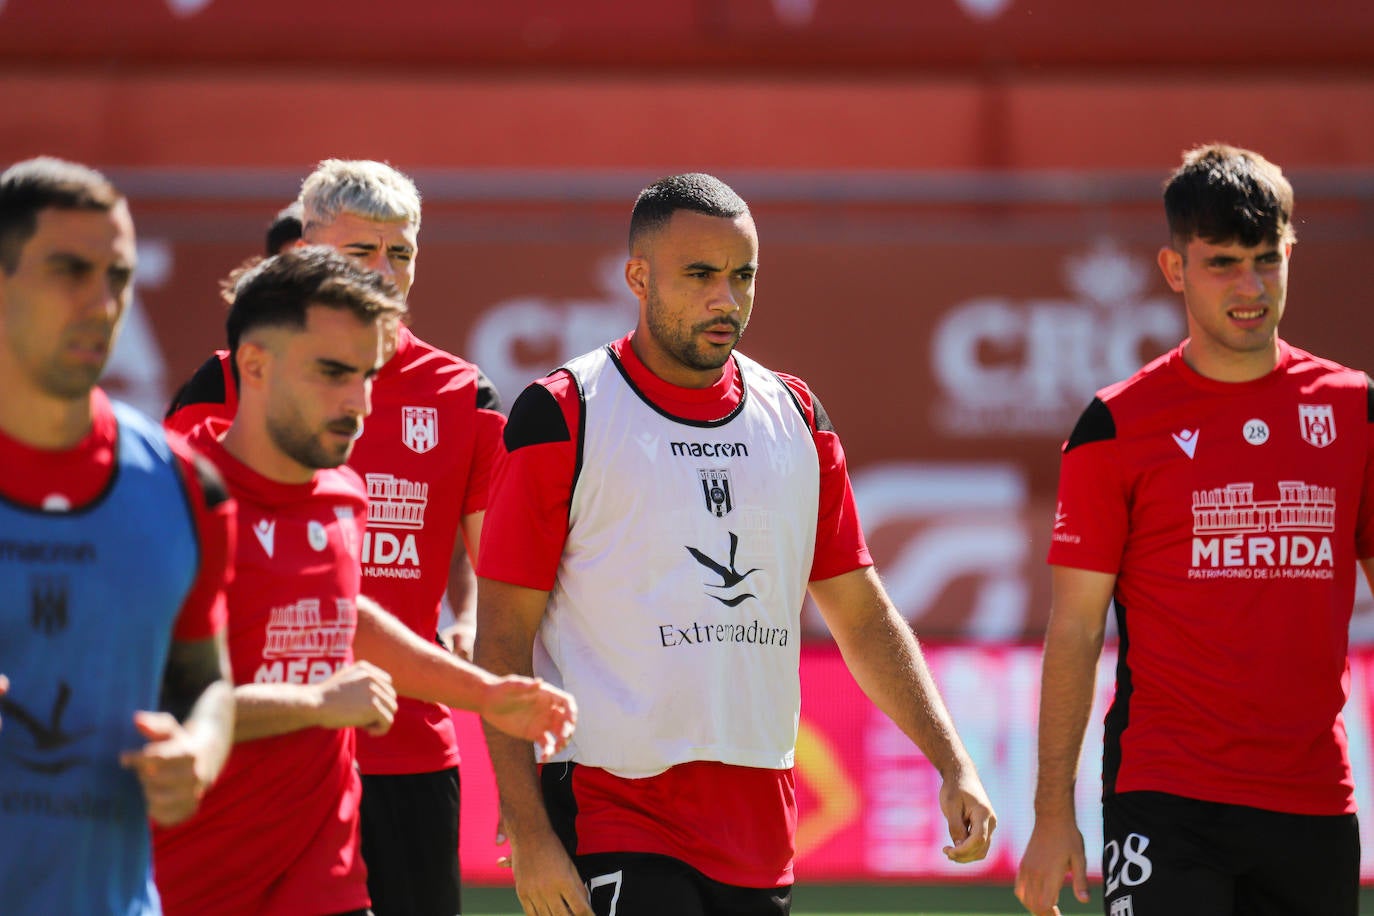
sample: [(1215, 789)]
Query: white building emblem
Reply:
[(394, 502), (1121, 906), (420, 428), (1318, 424)]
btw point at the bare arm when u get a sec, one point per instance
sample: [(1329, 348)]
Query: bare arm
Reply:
[(521, 706), (360, 695), (883, 655), (189, 742), (462, 587), (1073, 644), (545, 880)]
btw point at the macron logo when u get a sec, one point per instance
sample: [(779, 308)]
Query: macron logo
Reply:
[(265, 532), (1187, 440)]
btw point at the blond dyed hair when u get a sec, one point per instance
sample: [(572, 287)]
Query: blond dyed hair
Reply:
[(362, 187)]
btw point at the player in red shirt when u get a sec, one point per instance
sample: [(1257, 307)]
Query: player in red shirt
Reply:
[(662, 508), (425, 457), (115, 547), (1222, 498), (313, 659)]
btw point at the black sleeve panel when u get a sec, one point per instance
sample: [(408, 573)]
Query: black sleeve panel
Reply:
[(488, 398), (535, 418), (1095, 425), (1369, 388), (823, 424), (205, 387), (212, 486)]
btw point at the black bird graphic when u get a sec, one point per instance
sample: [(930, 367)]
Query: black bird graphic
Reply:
[(729, 576), (48, 737)]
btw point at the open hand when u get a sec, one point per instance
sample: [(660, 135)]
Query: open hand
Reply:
[(171, 767), (530, 709)]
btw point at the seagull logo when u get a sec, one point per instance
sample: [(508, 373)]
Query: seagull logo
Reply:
[(50, 747), (730, 577), (1187, 441)]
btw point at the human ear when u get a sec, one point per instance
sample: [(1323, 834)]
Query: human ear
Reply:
[(1171, 265)]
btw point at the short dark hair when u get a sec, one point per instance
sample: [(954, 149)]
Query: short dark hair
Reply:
[(1223, 193), (276, 291), (38, 184), (285, 228), (693, 191)]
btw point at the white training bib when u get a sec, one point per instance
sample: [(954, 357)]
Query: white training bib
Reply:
[(675, 617)]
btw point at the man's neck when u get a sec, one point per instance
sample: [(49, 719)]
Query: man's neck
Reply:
[(40, 420), (250, 445), (1232, 366)]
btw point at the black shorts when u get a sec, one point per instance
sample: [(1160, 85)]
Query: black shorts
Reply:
[(410, 843), (644, 884), (1164, 855), (647, 884)]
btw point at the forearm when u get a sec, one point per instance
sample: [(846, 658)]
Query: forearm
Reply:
[(211, 724), (419, 669), (1066, 696), (886, 662), (462, 601), (519, 796), (197, 691), (265, 710), (508, 619)]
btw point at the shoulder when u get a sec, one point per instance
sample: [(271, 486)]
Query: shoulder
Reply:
[(206, 485), (1314, 372), (544, 412), (1146, 381), (423, 367), (211, 383), (809, 404), (1115, 404)]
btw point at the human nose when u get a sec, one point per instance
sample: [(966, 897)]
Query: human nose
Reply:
[(1250, 283), (379, 262), (724, 297), (358, 398), (108, 299)]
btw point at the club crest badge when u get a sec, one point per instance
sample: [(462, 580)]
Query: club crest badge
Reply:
[(1318, 423), (715, 486), (48, 602), (420, 428)]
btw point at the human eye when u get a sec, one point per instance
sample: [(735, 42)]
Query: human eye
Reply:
[(334, 372), (120, 278), (74, 269)]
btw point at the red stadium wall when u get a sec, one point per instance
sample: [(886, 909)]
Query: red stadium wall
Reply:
[(740, 34)]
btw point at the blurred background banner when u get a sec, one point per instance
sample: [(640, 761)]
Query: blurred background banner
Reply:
[(865, 795), (953, 346)]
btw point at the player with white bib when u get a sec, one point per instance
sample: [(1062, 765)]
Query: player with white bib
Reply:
[(664, 505)]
